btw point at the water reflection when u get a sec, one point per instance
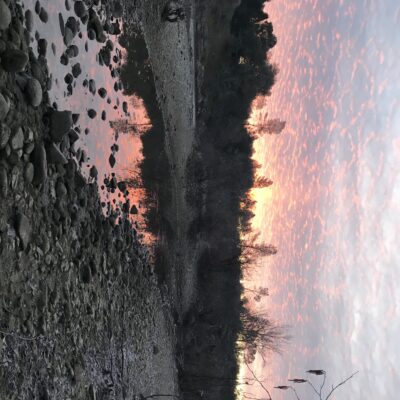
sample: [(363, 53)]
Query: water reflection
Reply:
[(98, 88)]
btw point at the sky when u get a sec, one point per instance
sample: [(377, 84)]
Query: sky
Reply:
[(333, 211)]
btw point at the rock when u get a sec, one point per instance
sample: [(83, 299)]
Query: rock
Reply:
[(76, 70), (68, 79), (121, 186), (94, 23), (125, 107), (73, 25), (5, 133), (40, 165), (68, 36), (80, 9), (111, 160), (5, 15), (4, 107), (72, 51), (61, 190), (103, 115), (14, 60), (102, 92), (91, 34), (29, 20), (42, 47), (3, 182), (29, 172), (55, 156), (23, 229), (117, 10), (92, 86), (134, 210), (67, 5), (64, 59), (75, 118), (92, 113), (17, 139), (37, 7), (34, 92), (43, 15), (93, 172), (60, 124)]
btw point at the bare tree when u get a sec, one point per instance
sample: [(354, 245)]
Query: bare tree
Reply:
[(273, 126)]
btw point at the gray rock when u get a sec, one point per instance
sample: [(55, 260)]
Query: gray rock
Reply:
[(29, 20), (92, 86), (73, 135), (72, 51), (60, 124), (17, 139), (40, 165), (29, 172), (4, 107), (3, 181), (61, 23), (55, 156), (43, 15), (68, 36), (111, 160), (72, 24), (42, 47), (102, 92), (14, 60), (23, 229), (93, 172), (5, 133), (5, 15), (80, 9), (92, 113), (34, 92), (76, 70), (61, 190), (95, 24)]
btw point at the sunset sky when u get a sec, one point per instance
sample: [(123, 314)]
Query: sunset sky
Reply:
[(333, 210)]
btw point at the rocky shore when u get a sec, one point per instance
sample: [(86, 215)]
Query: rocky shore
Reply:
[(81, 315)]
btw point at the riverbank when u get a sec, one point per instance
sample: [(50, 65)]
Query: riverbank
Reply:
[(81, 314)]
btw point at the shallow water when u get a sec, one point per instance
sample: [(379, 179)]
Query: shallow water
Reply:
[(97, 136)]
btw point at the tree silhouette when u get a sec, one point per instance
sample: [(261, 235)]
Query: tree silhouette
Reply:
[(267, 127), (262, 182)]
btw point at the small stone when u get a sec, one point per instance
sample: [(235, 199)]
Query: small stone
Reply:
[(40, 164), (14, 60), (102, 92), (29, 20), (55, 156), (103, 115), (92, 86), (112, 160), (3, 182), (68, 36), (73, 135), (43, 15), (76, 70), (5, 133), (4, 107), (134, 210), (92, 113), (67, 5), (29, 172), (91, 34), (73, 25), (125, 107), (34, 92), (17, 139), (37, 7), (68, 79), (80, 9), (64, 59), (5, 15), (93, 172), (42, 47), (23, 229), (61, 23), (60, 124), (72, 51)]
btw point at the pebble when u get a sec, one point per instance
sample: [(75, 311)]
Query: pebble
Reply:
[(4, 107), (29, 20), (23, 229), (73, 135), (14, 60), (103, 115), (5, 133), (61, 23), (80, 9), (102, 92), (92, 86), (34, 92), (60, 124), (40, 164), (43, 15), (72, 51), (29, 172), (42, 47), (68, 36), (93, 172), (76, 70), (17, 139), (5, 15), (111, 160), (92, 113)]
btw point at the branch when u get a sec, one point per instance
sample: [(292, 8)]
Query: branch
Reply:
[(340, 384), (294, 390), (260, 383), (322, 386), (315, 390)]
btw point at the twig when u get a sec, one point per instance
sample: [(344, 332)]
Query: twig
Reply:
[(340, 384), (260, 383)]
